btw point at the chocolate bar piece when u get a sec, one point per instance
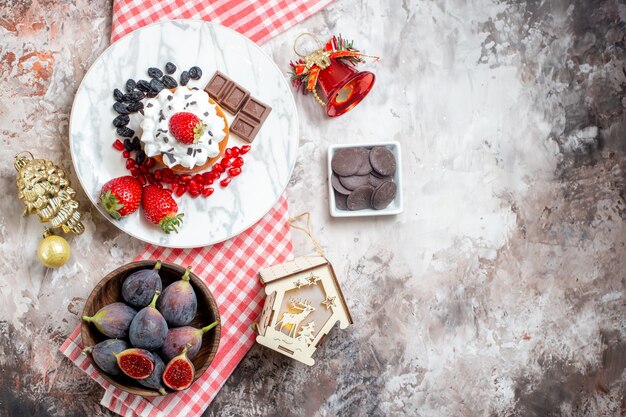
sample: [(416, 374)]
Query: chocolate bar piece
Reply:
[(234, 99), (256, 110), (217, 84), (245, 127)]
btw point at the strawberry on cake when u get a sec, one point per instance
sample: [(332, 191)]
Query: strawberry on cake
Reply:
[(184, 129)]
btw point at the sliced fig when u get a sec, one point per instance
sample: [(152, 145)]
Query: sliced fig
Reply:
[(154, 380), (179, 303), (179, 372), (102, 355), (148, 329), (113, 320), (140, 286), (135, 363), (180, 337)]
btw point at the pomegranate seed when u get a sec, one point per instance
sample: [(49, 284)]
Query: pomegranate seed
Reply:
[(185, 178), (180, 191), (167, 172), (142, 179), (194, 193), (134, 171), (225, 182), (214, 175), (218, 167), (158, 175), (192, 185), (126, 154), (144, 169), (176, 178), (236, 151), (130, 163), (150, 178), (233, 172), (118, 144), (237, 162), (228, 153), (169, 190), (150, 162), (158, 184), (244, 149), (225, 162), (207, 191), (207, 176), (199, 179), (208, 182)]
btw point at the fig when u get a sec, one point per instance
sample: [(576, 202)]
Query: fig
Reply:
[(148, 329), (135, 363), (139, 287), (179, 372), (113, 320), (179, 337), (102, 355), (154, 380), (179, 304)]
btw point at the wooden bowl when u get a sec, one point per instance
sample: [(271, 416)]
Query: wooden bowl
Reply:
[(109, 290)]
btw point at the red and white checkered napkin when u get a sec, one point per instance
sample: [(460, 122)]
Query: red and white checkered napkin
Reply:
[(230, 271)]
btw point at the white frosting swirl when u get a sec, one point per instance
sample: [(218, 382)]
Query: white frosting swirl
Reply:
[(155, 124)]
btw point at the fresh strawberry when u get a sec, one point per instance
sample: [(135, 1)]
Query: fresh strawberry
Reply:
[(160, 208), (121, 196), (186, 127)]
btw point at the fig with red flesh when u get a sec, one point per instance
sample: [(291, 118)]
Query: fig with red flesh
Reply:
[(135, 363), (179, 372), (178, 337), (179, 303), (148, 329), (140, 286), (113, 320)]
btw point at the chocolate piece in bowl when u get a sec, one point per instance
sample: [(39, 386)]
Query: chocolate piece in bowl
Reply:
[(361, 198), (366, 167), (354, 181), (337, 185), (341, 201), (234, 99), (384, 194), (346, 162), (245, 127), (383, 161), (376, 180)]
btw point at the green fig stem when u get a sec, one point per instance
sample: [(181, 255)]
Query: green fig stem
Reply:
[(162, 391), (88, 319), (157, 266), (154, 299), (185, 276), (87, 350), (209, 327)]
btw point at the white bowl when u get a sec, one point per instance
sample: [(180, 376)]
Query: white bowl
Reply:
[(395, 207)]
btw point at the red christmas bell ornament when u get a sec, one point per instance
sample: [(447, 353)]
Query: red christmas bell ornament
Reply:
[(331, 69)]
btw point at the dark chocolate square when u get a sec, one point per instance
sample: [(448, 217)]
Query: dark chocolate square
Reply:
[(245, 128), (235, 98), (256, 110), (216, 84)]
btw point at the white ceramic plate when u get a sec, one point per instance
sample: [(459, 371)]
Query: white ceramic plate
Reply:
[(268, 166), (395, 207)]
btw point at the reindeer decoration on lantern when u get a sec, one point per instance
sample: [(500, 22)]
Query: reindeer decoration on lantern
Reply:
[(294, 319)]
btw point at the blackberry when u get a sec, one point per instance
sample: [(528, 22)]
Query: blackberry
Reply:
[(130, 85), (125, 132), (118, 95), (169, 82), (195, 73), (143, 85), (156, 85), (184, 78), (170, 68), (155, 72), (128, 145), (135, 106), (120, 108), (134, 96), (121, 120)]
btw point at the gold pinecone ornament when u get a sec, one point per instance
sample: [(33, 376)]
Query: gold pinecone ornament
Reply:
[(46, 191)]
